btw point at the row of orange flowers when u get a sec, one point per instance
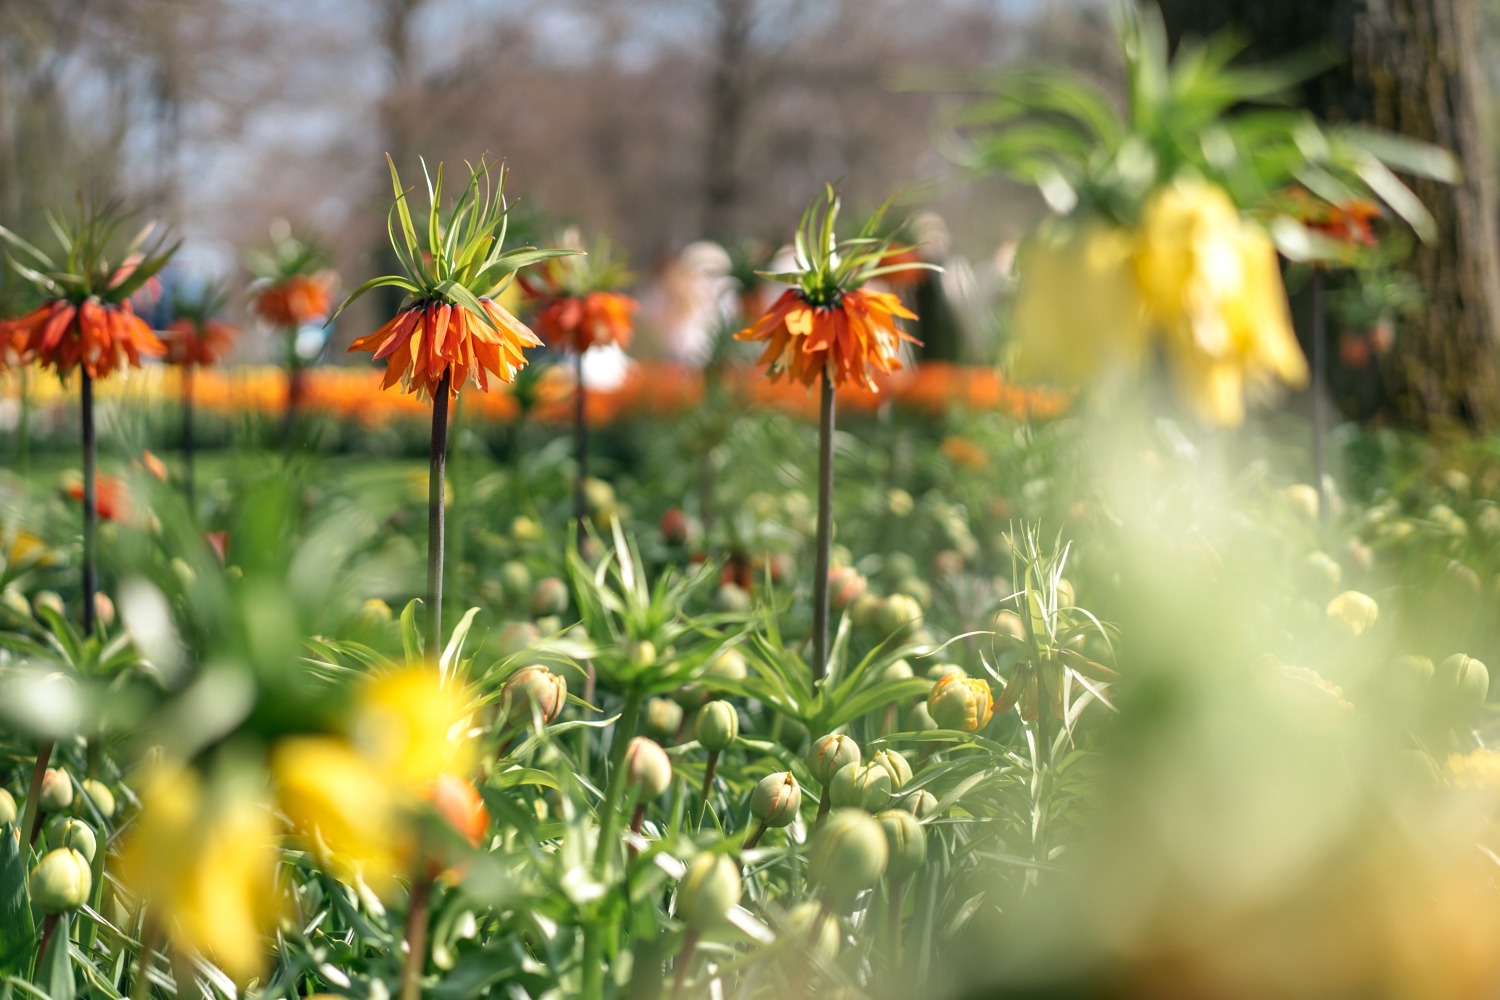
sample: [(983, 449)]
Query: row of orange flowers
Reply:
[(649, 388)]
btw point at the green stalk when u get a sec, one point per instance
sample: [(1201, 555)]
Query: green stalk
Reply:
[(609, 819), (708, 785), (31, 817), (416, 938), (438, 462), (825, 531), (609, 823)]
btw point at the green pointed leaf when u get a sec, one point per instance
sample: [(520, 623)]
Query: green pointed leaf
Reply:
[(411, 638), (56, 966), (17, 932)]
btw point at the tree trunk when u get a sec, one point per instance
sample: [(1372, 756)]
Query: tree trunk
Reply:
[(728, 97), (1413, 67)]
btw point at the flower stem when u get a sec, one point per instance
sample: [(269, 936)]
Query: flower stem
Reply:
[(684, 963), (609, 819), (31, 818), (896, 891), (438, 456), (1319, 392), (708, 784), (416, 938), (90, 504), (49, 925), (754, 838), (581, 443), (825, 531), (187, 435), (824, 802)]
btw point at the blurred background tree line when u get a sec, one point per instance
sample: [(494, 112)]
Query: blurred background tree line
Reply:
[(667, 121)]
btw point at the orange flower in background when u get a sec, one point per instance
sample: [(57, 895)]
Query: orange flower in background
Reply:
[(201, 342), (98, 336), (427, 340), (598, 319), (111, 499), (296, 300), (1348, 222), (575, 298), (850, 339)]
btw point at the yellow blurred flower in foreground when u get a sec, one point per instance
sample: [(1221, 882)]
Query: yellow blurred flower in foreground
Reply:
[(207, 862), (413, 727), (1194, 276), (349, 799), (1078, 309), (1211, 283), (343, 808)]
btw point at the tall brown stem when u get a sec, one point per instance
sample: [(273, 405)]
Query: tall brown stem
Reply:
[(825, 531), (581, 443), (437, 470), (416, 938)]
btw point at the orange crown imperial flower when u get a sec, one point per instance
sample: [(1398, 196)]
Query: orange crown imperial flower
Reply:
[(293, 285), (828, 325), (451, 330), (87, 320), (197, 336), (577, 304)]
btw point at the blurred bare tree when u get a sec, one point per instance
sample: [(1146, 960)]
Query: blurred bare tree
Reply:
[(1414, 67)]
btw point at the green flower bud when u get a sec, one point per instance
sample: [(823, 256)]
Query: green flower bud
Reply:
[(708, 891), (1007, 622), (598, 493), (962, 703), (524, 529), (776, 800), (864, 610), (663, 718), (900, 670), (717, 725), (847, 855), (515, 580), (549, 625), (917, 589), (643, 654), (48, 599), (549, 597), (861, 786), (906, 843), (648, 770), (517, 637), (530, 693), (800, 935), (894, 765), (98, 793), (729, 665), (7, 808), (57, 791), (60, 881), (829, 753), (899, 617), (374, 614), (793, 735), (918, 719), (1462, 682), (1352, 613), (920, 803), (938, 671), (731, 597), (74, 833)]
